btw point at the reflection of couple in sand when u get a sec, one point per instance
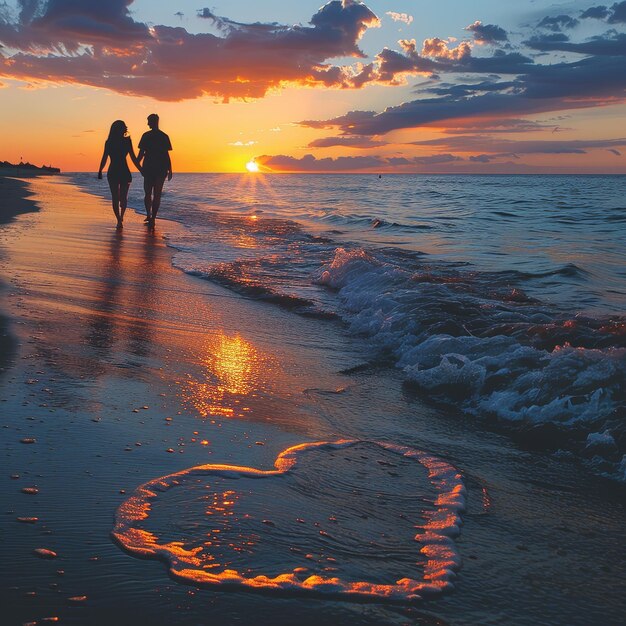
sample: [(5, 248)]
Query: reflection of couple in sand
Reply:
[(154, 149)]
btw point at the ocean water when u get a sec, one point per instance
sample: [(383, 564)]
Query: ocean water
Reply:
[(503, 297)]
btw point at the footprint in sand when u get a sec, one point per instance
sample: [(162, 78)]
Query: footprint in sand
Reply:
[(350, 519)]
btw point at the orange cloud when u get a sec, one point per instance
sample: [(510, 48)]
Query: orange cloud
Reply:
[(438, 49)]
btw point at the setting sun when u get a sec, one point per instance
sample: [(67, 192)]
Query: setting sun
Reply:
[(252, 166)]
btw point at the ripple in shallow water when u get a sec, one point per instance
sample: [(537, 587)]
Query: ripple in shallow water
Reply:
[(352, 519)]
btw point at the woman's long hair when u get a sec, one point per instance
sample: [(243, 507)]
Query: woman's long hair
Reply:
[(118, 132)]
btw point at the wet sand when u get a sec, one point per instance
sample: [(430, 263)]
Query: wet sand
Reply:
[(14, 200), (14, 197), (127, 370)]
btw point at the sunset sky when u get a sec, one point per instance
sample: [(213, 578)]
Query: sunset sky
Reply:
[(397, 86)]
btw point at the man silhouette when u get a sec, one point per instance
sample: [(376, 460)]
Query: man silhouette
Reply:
[(154, 148)]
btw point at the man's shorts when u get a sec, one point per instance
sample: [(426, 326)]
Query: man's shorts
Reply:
[(152, 178)]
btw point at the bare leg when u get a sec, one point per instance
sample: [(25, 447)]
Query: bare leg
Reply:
[(115, 200), (124, 187), (156, 202), (147, 199)]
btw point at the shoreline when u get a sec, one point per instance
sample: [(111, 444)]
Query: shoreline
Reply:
[(16, 197), (118, 348), (16, 200)]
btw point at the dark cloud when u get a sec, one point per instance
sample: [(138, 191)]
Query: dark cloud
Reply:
[(85, 17), (469, 89), (230, 26), (436, 159), (69, 23), (348, 121), (486, 158), (353, 141), (506, 147), (616, 14), (432, 159), (597, 13), (398, 161), (28, 10), (393, 64), (97, 43), (487, 33), (558, 22), (427, 111), (593, 81), (547, 39), (497, 126), (609, 44)]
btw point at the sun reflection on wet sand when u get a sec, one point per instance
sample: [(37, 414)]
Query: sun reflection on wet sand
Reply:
[(231, 372)]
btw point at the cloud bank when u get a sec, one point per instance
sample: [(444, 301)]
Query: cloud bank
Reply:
[(97, 43), (310, 163), (506, 84)]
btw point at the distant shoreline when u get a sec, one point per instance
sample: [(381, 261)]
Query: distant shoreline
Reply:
[(26, 169)]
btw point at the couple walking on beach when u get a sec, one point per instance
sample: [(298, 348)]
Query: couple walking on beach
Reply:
[(154, 150)]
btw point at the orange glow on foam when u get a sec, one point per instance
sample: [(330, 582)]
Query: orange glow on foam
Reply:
[(198, 565)]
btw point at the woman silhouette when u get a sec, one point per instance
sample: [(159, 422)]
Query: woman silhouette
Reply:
[(116, 148)]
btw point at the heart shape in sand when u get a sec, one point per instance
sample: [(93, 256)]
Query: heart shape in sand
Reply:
[(435, 536)]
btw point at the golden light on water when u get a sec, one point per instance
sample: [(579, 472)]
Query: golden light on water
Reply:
[(234, 363), (231, 369), (253, 189), (252, 166)]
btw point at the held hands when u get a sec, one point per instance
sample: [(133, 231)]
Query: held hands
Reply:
[(169, 175), (100, 175)]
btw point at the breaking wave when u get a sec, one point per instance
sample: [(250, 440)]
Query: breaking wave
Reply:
[(465, 340)]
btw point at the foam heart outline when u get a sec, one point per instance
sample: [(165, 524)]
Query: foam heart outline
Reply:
[(437, 535)]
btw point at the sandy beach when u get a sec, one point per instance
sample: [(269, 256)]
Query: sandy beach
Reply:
[(121, 369)]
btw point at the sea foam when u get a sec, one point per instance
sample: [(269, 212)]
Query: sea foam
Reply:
[(464, 341)]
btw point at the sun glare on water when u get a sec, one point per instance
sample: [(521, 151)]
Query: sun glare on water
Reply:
[(252, 166)]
